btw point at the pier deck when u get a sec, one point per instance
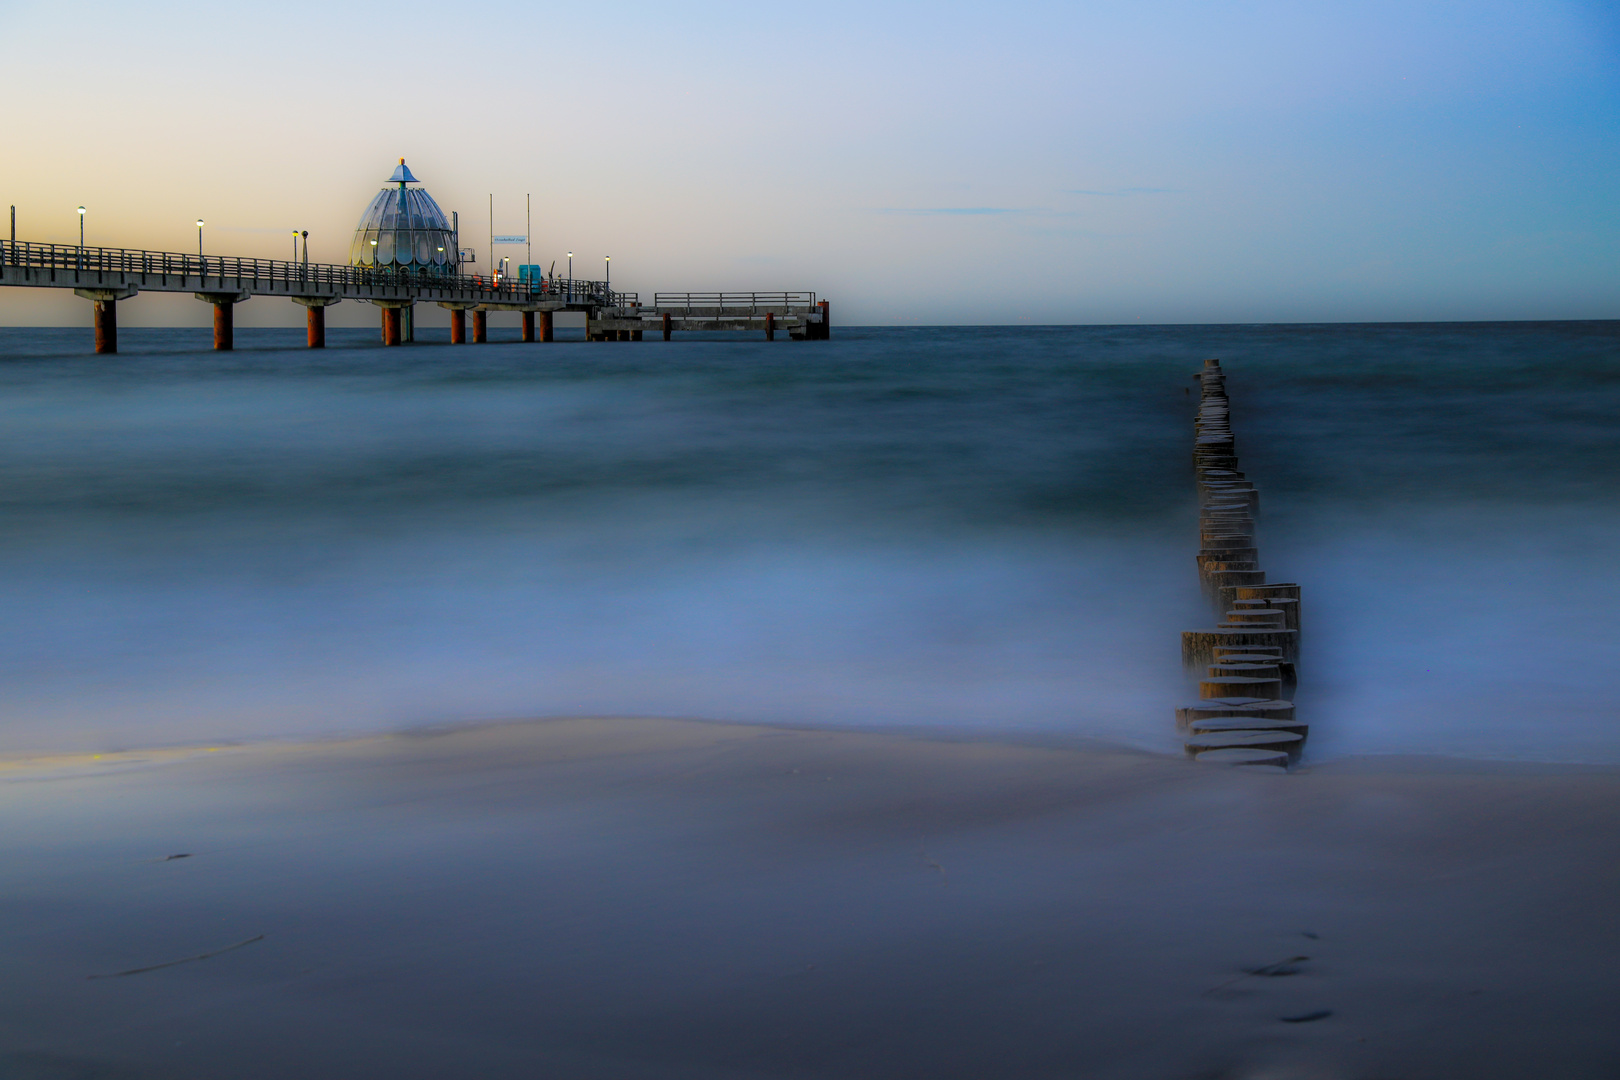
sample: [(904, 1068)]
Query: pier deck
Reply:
[(108, 275)]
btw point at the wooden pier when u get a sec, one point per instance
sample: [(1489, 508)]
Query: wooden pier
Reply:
[(105, 276)]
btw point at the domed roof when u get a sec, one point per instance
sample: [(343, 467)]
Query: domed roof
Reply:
[(409, 229)]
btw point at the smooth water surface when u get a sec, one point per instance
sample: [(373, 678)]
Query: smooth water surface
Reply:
[(989, 529)]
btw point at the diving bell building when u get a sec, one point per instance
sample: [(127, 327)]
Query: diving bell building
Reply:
[(405, 232)]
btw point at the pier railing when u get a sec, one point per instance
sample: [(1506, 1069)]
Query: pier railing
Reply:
[(62, 259), (750, 300)]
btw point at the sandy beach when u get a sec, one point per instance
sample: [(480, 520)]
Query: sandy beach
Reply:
[(661, 898)]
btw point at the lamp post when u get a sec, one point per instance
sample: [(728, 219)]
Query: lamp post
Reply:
[(570, 276), (295, 245), (306, 250), (81, 237), (607, 260)]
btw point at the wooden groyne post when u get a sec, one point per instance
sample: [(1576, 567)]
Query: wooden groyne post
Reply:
[(1247, 663)]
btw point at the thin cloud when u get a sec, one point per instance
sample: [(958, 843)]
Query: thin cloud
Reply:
[(1119, 192), (955, 211), (251, 229)]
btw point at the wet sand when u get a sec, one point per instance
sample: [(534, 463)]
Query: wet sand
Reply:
[(649, 898)]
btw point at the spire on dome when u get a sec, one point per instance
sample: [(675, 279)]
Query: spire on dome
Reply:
[(402, 175)]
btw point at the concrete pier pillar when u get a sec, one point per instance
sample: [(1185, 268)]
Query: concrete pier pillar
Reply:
[(458, 326), (105, 301), (480, 326), (528, 326), (106, 326), (390, 325), (315, 319), (407, 323), (224, 320), (224, 325), (770, 326), (666, 326), (545, 326)]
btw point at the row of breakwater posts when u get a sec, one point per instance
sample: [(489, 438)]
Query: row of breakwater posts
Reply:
[(106, 276), (1247, 664)]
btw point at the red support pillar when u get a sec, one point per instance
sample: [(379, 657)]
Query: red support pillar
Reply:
[(528, 326), (826, 321), (458, 326), (224, 325), (480, 326), (545, 326), (106, 326), (390, 326), (315, 318), (666, 326), (770, 326)]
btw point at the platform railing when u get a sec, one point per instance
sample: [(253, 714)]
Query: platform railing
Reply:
[(750, 300), (318, 277)]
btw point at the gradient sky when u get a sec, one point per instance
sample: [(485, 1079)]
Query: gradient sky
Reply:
[(1142, 161)]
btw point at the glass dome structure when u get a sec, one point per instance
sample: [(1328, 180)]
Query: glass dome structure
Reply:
[(409, 230)]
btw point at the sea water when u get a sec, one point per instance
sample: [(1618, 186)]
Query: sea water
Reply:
[(986, 530)]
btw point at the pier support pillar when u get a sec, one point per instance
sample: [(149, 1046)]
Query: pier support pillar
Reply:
[(224, 325), (770, 326), (826, 321), (396, 320), (528, 327), (666, 326), (635, 335), (480, 326), (458, 320), (545, 326), (224, 316), (315, 317), (315, 320), (106, 326), (106, 301)]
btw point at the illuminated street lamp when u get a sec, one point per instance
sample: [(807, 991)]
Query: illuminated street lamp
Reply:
[(199, 238), (81, 236), (295, 245), (608, 262)]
